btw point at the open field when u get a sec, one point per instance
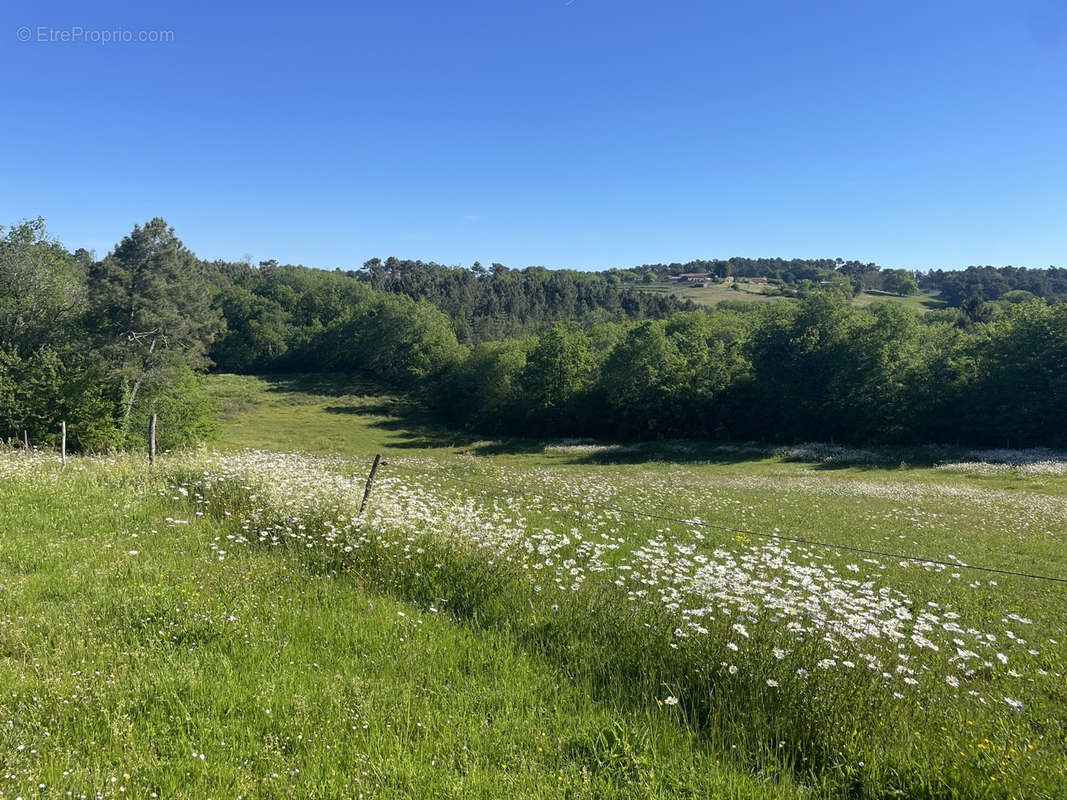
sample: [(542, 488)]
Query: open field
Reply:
[(500, 623), (139, 661), (714, 293), (916, 302)]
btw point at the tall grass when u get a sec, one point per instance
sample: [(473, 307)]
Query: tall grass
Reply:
[(137, 660), (823, 711)]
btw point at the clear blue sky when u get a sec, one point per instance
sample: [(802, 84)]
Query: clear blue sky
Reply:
[(588, 133)]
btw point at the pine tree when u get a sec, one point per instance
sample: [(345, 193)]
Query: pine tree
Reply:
[(152, 301)]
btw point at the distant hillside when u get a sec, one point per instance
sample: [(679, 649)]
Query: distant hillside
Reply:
[(286, 317), (993, 283), (966, 289), (790, 270), (732, 293), (498, 302)]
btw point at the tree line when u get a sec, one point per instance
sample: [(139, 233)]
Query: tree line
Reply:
[(818, 368), (821, 369), (498, 302), (105, 343), (982, 284)]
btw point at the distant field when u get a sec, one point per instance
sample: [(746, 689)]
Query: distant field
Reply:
[(499, 624), (711, 293), (917, 302), (714, 293)]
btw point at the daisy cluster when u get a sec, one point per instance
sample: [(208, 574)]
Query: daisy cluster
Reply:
[(813, 609), (821, 453), (14, 463), (1035, 461)]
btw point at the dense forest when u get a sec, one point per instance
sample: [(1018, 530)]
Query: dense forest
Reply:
[(820, 369), (104, 343), (978, 284), (493, 303)]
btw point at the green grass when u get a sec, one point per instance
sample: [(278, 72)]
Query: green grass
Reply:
[(337, 414), (433, 657), (285, 413), (128, 649), (916, 302), (713, 293)]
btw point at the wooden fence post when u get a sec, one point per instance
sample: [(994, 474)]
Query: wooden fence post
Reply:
[(370, 483), (63, 445), (26, 439), (152, 441)]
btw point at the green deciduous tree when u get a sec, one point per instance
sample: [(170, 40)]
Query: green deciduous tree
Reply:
[(559, 369), (899, 281), (42, 288)]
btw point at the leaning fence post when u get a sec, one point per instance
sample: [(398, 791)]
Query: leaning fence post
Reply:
[(152, 440), (63, 445), (370, 483)]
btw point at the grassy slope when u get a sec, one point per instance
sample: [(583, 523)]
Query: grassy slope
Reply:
[(710, 294), (916, 302), (135, 663), (715, 293), (1003, 519)]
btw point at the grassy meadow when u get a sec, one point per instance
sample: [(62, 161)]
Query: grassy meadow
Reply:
[(713, 293), (499, 623)]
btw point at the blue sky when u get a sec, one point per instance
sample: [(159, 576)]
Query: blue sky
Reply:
[(580, 134)]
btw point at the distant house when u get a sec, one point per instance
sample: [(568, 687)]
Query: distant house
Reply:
[(694, 277)]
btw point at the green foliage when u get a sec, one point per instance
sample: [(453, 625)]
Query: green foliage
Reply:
[(150, 294), (787, 271), (292, 318), (79, 340), (101, 344), (1019, 394), (186, 412), (899, 281), (401, 341), (256, 330), (42, 288), (994, 283), (151, 301), (40, 391), (668, 377), (558, 370), (502, 302), (1016, 296), (483, 389), (822, 369)]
